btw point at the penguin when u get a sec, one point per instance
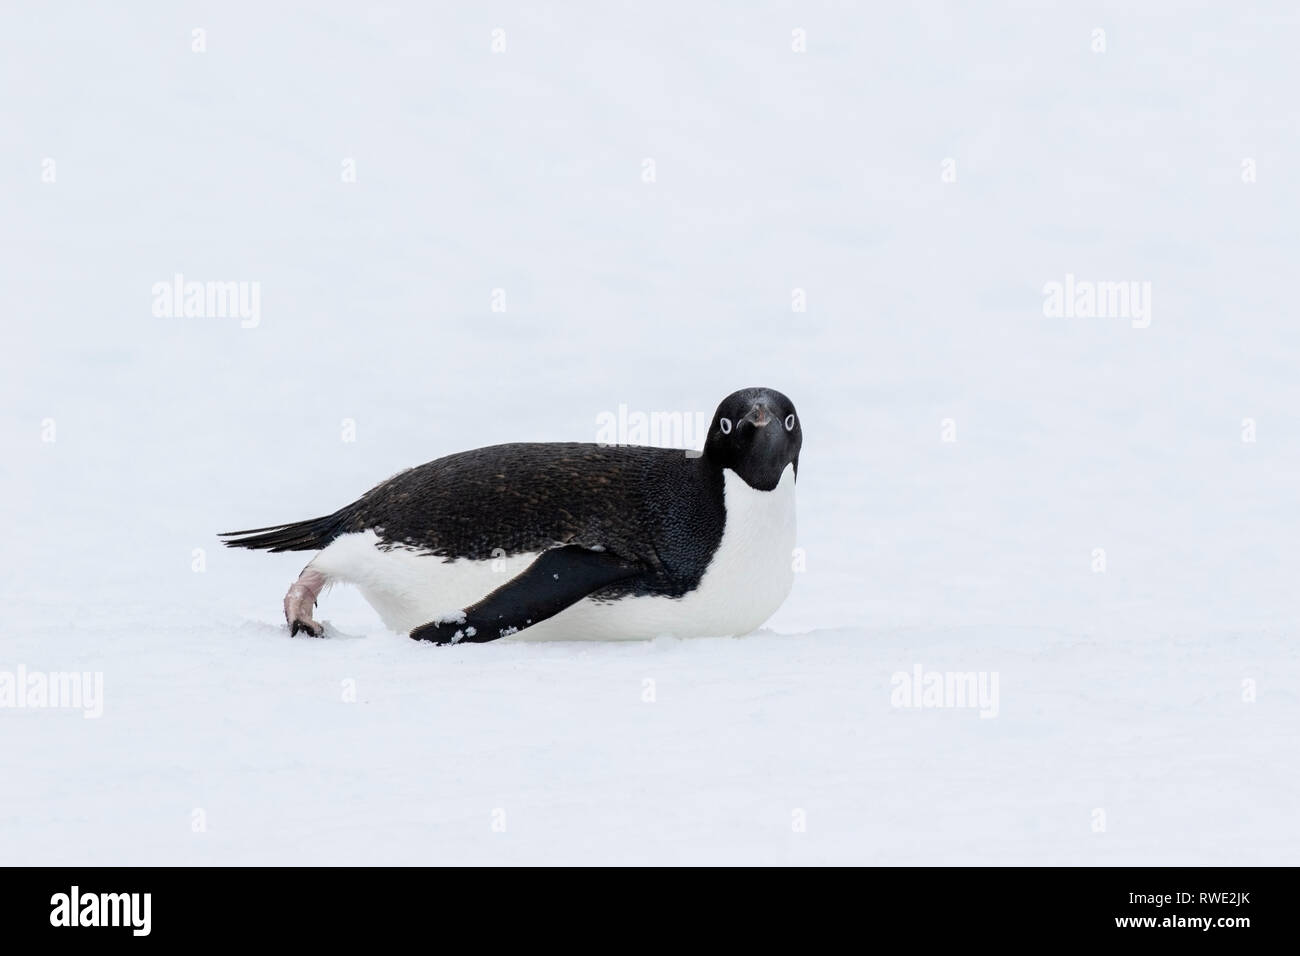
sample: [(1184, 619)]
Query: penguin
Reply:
[(568, 540)]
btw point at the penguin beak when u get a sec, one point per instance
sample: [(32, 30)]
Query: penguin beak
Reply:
[(758, 415)]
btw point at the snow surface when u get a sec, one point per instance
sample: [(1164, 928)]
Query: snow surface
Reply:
[(1123, 692)]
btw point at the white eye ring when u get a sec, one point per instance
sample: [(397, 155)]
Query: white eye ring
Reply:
[(725, 424), (789, 422)]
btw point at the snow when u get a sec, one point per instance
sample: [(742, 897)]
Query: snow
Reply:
[(1157, 696)]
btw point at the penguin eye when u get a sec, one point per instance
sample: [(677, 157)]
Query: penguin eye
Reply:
[(725, 424), (789, 422)]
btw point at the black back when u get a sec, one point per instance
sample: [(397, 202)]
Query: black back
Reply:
[(655, 506)]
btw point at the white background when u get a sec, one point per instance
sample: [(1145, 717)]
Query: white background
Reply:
[(1120, 691)]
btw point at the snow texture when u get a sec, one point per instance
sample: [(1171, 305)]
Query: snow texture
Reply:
[(453, 247)]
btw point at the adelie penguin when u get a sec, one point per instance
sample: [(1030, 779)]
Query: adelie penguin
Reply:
[(568, 540)]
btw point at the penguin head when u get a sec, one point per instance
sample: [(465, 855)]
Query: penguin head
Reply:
[(756, 433)]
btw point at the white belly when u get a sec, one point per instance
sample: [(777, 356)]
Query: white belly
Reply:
[(750, 575)]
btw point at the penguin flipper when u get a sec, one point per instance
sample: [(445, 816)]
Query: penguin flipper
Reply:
[(558, 578)]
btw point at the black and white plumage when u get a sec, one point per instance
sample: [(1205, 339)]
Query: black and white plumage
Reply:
[(569, 540)]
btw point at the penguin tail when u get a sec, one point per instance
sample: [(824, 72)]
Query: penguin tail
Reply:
[(310, 535)]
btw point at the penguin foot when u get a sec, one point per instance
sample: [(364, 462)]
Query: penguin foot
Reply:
[(313, 628), (300, 600)]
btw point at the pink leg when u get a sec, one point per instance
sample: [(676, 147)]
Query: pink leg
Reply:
[(300, 600)]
